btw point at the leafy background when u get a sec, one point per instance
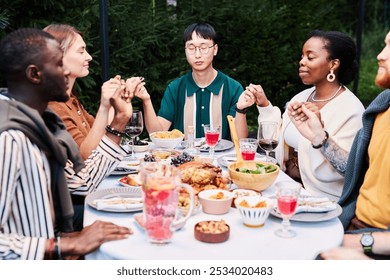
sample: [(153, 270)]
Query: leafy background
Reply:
[(260, 40)]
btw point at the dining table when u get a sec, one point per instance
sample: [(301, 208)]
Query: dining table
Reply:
[(244, 243)]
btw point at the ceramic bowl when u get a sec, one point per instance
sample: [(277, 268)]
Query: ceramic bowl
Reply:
[(243, 192), (257, 182), (140, 148), (254, 210), (215, 201), (212, 231), (165, 143)]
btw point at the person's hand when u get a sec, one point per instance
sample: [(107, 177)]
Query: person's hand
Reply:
[(122, 107), (307, 119), (352, 241), (259, 94), (142, 93), (245, 100), (298, 114), (343, 253), (133, 86), (108, 89), (91, 237)]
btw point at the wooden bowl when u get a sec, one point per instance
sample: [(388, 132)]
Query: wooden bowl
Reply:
[(211, 237), (257, 182)]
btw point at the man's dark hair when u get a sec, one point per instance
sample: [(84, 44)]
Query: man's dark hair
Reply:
[(21, 48), (340, 46), (203, 30)]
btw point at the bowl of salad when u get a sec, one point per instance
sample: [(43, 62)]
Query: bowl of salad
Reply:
[(253, 175)]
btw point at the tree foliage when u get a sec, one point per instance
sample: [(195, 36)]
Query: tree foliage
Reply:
[(260, 40)]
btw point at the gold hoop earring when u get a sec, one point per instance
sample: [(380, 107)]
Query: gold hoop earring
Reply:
[(331, 77)]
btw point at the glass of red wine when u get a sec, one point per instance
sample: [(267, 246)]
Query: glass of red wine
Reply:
[(134, 128), (268, 136), (287, 194), (212, 136)]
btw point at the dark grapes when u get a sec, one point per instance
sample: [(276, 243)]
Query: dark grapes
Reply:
[(182, 158), (149, 158)]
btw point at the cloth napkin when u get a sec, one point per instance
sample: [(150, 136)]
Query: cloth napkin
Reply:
[(118, 203), (315, 204)]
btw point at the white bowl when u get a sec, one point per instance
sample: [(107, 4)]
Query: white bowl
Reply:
[(140, 148), (166, 143), (215, 206), (254, 216), (243, 192)]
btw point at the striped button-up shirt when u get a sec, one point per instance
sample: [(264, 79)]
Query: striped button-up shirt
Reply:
[(26, 207)]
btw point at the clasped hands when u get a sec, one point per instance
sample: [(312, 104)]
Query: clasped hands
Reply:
[(129, 88), (306, 117)]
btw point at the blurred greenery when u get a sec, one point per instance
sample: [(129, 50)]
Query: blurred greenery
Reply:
[(260, 40)]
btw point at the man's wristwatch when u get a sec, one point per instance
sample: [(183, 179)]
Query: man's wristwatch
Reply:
[(367, 241)]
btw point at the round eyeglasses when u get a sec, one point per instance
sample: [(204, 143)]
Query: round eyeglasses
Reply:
[(203, 49)]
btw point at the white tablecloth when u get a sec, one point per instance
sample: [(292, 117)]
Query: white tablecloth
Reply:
[(244, 242)]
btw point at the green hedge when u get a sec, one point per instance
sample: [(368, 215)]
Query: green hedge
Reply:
[(261, 40)]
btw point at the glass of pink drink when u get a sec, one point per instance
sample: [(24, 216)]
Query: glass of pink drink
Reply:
[(160, 186), (248, 147), (287, 194), (212, 136)]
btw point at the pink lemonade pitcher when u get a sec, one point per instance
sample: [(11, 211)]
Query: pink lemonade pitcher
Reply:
[(160, 186)]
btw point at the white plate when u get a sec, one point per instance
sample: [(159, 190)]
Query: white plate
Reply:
[(127, 185), (128, 192), (139, 220), (225, 160), (222, 145), (311, 216), (126, 167)]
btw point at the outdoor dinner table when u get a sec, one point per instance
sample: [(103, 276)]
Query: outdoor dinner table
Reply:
[(244, 243)]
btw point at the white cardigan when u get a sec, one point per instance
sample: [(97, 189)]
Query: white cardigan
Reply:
[(342, 118)]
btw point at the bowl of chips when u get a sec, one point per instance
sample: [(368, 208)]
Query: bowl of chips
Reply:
[(254, 210), (167, 139)]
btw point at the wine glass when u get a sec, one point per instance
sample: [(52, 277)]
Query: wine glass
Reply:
[(268, 136), (134, 128), (191, 149), (212, 136), (287, 194)]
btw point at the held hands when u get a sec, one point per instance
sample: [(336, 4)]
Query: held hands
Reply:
[(122, 108), (252, 94), (135, 86), (108, 89), (307, 119)]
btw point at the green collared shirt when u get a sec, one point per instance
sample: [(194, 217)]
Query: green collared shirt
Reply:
[(180, 90)]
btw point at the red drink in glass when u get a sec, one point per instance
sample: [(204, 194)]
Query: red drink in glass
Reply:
[(212, 138), (287, 205), (160, 202), (248, 155)]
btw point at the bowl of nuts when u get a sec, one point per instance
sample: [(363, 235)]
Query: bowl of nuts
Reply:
[(212, 231), (254, 210), (215, 201)]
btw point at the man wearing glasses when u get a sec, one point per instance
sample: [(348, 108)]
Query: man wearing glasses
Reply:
[(204, 95)]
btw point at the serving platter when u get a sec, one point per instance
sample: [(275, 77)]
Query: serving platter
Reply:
[(139, 220), (222, 145), (130, 196), (126, 167), (311, 216)]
